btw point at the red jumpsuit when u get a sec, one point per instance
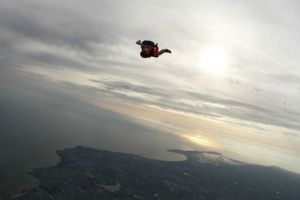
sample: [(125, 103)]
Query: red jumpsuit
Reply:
[(149, 51)]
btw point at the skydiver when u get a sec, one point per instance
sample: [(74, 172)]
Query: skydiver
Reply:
[(149, 49)]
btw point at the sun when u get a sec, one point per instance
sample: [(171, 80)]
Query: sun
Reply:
[(214, 60)]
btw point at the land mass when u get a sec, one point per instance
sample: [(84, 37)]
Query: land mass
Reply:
[(86, 173)]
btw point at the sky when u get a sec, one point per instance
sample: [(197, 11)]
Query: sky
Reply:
[(232, 81)]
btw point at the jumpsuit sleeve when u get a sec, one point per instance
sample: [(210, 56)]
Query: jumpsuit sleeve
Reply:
[(156, 52)]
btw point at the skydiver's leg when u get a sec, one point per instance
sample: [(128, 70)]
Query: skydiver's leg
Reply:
[(139, 42), (148, 43)]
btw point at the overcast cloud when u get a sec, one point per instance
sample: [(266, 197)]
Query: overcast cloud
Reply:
[(92, 44)]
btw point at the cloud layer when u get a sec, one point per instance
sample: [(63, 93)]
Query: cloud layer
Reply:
[(91, 44)]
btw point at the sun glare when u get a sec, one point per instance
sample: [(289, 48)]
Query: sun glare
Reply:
[(214, 60), (202, 141)]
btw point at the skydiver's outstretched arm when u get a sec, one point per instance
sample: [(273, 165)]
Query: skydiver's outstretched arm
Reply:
[(164, 51)]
